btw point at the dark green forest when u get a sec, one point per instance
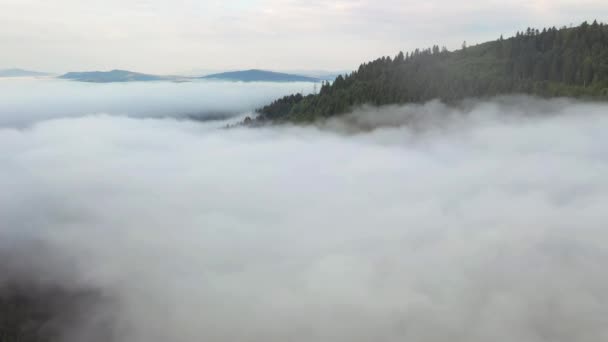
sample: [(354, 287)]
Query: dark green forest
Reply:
[(570, 61)]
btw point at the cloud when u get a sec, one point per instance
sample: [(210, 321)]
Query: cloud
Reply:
[(30, 100), (44, 298), (489, 225)]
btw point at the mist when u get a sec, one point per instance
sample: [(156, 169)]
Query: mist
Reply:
[(479, 222), (29, 100)]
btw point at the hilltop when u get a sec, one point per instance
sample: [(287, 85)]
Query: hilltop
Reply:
[(130, 76), (111, 76), (553, 62), (255, 75)]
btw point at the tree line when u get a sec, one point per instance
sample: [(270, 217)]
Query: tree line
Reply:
[(570, 61)]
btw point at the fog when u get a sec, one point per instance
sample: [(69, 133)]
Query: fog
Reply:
[(26, 100), (480, 222)]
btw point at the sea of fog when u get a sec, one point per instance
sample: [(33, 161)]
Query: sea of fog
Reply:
[(25, 99), (480, 222)]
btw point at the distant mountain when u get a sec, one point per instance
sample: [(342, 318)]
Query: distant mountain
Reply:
[(111, 76), (260, 76), (20, 73), (322, 75), (130, 76)]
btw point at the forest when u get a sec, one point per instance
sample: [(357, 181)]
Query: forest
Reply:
[(552, 62)]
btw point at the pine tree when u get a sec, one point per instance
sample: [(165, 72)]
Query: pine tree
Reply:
[(548, 62)]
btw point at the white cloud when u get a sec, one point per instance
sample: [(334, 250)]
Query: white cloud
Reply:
[(30, 100), (486, 225)]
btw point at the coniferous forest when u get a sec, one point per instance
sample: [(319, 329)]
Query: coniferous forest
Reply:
[(570, 61)]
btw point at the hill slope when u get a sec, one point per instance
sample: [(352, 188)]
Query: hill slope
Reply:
[(110, 76), (552, 62), (260, 76)]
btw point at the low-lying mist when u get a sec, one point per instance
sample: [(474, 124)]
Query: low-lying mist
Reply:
[(482, 222), (25, 101)]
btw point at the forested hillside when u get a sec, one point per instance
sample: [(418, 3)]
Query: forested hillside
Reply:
[(552, 62)]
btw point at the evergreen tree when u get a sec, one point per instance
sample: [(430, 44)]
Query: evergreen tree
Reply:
[(551, 62)]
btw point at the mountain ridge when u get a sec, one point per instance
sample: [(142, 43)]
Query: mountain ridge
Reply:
[(258, 75), (251, 75), (569, 62), (115, 75)]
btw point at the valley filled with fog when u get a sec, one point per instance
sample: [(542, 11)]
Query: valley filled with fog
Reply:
[(26, 100), (478, 222)]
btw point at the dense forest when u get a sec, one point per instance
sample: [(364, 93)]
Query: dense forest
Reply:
[(570, 61)]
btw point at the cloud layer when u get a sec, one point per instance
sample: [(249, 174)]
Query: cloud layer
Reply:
[(26, 101), (485, 222)]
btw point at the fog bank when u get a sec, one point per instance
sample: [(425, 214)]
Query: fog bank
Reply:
[(29, 100), (480, 223)]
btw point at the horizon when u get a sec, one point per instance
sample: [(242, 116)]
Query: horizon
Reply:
[(309, 73), (159, 37), (312, 72), (196, 170)]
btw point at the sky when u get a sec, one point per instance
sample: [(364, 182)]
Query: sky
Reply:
[(189, 36)]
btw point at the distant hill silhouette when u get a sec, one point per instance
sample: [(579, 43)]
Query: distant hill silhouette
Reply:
[(14, 72), (255, 75), (111, 76)]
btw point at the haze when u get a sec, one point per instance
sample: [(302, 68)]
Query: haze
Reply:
[(484, 223), (161, 36), (29, 100), (468, 205)]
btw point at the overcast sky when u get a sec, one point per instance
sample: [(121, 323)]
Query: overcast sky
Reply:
[(165, 36)]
